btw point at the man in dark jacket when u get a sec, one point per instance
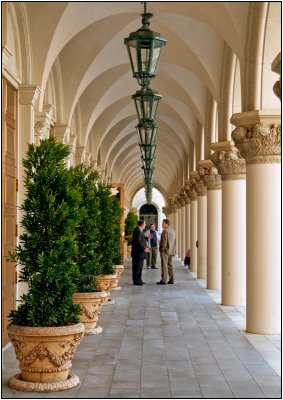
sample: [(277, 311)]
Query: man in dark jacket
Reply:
[(139, 250)]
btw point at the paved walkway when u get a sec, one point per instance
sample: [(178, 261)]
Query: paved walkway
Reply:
[(170, 341)]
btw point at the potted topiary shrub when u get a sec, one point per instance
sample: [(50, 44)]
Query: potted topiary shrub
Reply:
[(131, 222), (45, 329), (108, 241), (89, 256), (116, 239)]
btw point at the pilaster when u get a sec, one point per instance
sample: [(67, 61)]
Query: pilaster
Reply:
[(28, 96)]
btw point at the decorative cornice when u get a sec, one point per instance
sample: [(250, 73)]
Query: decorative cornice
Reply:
[(258, 141)]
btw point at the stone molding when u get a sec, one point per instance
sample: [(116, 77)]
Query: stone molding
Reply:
[(229, 163), (259, 143)]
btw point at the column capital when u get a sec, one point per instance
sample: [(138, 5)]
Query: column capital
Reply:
[(198, 183), (209, 174), (258, 136), (43, 122), (190, 189), (228, 161), (28, 94)]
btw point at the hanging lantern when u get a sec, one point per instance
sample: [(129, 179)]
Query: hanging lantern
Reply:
[(148, 163), (147, 151), (144, 48), (147, 132), (146, 102)]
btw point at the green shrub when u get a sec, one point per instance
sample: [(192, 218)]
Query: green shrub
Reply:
[(89, 255), (131, 222), (51, 212)]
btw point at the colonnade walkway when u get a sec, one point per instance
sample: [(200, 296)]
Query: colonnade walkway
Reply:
[(170, 341)]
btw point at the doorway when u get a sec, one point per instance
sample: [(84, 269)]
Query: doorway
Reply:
[(148, 213)]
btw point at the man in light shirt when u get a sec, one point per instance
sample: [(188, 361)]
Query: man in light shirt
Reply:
[(153, 238)]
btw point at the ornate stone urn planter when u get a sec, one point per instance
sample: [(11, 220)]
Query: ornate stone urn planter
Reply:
[(45, 355), (106, 283), (90, 304), (118, 270)]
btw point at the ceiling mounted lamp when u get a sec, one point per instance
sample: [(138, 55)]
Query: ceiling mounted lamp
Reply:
[(147, 132), (144, 48), (146, 102)]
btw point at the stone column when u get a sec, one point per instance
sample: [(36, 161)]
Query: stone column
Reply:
[(202, 226), (176, 219), (187, 222), (183, 227), (179, 240), (258, 137), (232, 168), (28, 95), (214, 208), (193, 224)]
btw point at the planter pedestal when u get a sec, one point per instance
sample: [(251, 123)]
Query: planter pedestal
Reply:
[(45, 356)]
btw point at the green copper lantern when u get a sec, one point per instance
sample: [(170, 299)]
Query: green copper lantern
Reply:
[(144, 48), (146, 102)]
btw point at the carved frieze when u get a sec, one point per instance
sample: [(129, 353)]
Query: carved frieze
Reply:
[(230, 164), (259, 143)]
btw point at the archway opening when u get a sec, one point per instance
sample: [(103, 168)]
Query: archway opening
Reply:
[(148, 213)]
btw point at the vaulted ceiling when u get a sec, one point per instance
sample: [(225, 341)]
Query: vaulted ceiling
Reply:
[(78, 59)]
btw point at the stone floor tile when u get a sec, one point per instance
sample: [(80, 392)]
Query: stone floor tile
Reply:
[(169, 342), (93, 381), (216, 393), (207, 369), (155, 393)]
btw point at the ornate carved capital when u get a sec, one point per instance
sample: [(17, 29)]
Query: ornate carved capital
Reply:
[(259, 143), (212, 179), (230, 164)]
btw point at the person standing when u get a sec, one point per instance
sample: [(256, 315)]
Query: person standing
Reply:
[(153, 239), (139, 250), (167, 250)]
